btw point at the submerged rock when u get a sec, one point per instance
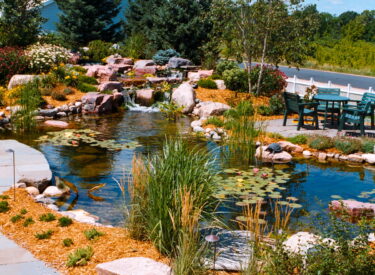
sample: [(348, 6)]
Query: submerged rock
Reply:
[(56, 123)]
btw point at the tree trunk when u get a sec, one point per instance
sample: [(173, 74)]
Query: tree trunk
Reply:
[(262, 64)]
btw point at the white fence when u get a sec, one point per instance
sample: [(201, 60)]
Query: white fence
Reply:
[(299, 86)]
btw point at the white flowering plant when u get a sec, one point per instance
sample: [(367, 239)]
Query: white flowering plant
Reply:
[(45, 56)]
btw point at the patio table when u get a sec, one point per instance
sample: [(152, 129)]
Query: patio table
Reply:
[(331, 99)]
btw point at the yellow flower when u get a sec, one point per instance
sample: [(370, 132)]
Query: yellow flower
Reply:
[(62, 64), (74, 77), (54, 68), (67, 77)]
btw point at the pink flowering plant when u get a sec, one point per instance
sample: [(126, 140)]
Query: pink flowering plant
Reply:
[(12, 61)]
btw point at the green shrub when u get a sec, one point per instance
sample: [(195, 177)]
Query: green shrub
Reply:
[(60, 96), (12, 61), (4, 206), (80, 257), (93, 234), (320, 142), (99, 50), (273, 80), (298, 139), (67, 242), (68, 91), (225, 65), (162, 57), (171, 110), (65, 221), (215, 77), (4, 197), (49, 217), (85, 88), (28, 221), (277, 104), (276, 136), (23, 211), (207, 84), (368, 146), (44, 235), (137, 46), (348, 145), (236, 80), (87, 79), (264, 110), (215, 121), (16, 218)]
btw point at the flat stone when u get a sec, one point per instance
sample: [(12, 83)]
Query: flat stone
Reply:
[(322, 156), (307, 153), (56, 123), (369, 158), (32, 167), (133, 266), (21, 185), (343, 158), (355, 158), (290, 147)]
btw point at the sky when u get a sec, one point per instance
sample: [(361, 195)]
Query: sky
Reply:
[(339, 6)]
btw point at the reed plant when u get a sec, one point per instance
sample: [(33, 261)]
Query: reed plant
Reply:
[(244, 129), (156, 204)]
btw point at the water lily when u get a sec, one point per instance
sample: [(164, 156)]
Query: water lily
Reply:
[(256, 170)]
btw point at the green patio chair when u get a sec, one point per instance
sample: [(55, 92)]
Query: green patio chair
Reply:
[(294, 105), (367, 97)]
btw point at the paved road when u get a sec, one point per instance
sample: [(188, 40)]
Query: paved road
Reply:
[(355, 81)]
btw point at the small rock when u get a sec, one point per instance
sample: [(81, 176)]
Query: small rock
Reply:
[(54, 191), (53, 207), (44, 200), (56, 123), (39, 118), (196, 123), (21, 185), (290, 147), (220, 84), (2, 114), (369, 158), (216, 137), (198, 129), (133, 266), (48, 112), (330, 155), (61, 114), (343, 158), (307, 153), (208, 130), (322, 156), (145, 97), (207, 135), (355, 158), (337, 156), (78, 104), (33, 191)]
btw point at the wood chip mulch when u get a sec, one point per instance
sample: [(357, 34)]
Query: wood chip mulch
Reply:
[(113, 245)]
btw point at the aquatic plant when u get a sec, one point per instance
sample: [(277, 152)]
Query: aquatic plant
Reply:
[(171, 110), (80, 257), (178, 167), (244, 129), (75, 138)]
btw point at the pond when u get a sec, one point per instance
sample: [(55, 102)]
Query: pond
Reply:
[(314, 184)]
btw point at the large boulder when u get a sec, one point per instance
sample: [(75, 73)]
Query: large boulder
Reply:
[(206, 109), (355, 209), (133, 266), (100, 103), (184, 96), (117, 59), (145, 97), (102, 72), (266, 156), (290, 147), (178, 62), (142, 67), (21, 79), (110, 86)]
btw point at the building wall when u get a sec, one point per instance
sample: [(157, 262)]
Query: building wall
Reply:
[(51, 12)]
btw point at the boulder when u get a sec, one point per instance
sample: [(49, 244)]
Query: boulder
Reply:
[(158, 80), (282, 157), (33, 191), (196, 123), (369, 158), (145, 97), (307, 153), (355, 209), (205, 73), (193, 76), (133, 266), (117, 59), (118, 99), (198, 129), (48, 112), (290, 147), (177, 62), (81, 216), (21, 79), (103, 72), (355, 158), (54, 191), (220, 84), (56, 123), (206, 109), (322, 156), (110, 86), (301, 242), (106, 106), (142, 67), (184, 96)]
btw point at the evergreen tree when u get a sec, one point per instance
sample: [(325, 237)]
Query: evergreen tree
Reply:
[(20, 22), (83, 21), (177, 24)]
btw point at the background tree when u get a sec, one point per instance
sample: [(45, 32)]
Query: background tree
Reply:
[(83, 21), (176, 24), (20, 22)]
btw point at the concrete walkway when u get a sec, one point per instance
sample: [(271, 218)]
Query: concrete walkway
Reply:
[(15, 260), (290, 130)]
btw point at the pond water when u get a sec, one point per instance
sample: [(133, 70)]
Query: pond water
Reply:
[(312, 183)]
